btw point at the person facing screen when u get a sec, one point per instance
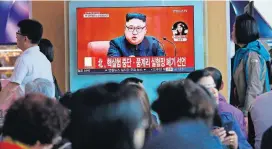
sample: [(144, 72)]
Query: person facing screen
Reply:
[(135, 42)]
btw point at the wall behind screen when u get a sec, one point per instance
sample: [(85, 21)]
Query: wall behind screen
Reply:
[(151, 81)]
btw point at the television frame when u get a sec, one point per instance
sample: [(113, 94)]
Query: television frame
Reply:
[(139, 72)]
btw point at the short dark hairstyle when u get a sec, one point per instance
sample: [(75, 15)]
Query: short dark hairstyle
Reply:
[(46, 47), (131, 80), (35, 117), (246, 29), (104, 116), (65, 100), (195, 76), (217, 76), (184, 99), (32, 29), (139, 16), (267, 139)]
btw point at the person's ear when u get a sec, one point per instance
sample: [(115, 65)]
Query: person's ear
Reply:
[(145, 30), (222, 86)]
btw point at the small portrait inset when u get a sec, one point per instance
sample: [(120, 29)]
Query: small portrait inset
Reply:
[(180, 31)]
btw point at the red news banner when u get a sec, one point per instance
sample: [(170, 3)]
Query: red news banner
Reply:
[(138, 62)]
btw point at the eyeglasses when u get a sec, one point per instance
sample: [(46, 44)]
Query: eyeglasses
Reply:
[(19, 33), (138, 29)]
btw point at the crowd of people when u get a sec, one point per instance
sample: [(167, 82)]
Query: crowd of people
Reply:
[(191, 113)]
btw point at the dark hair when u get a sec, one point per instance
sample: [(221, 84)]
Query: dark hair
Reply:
[(139, 16), (137, 91), (216, 75), (266, 139), (35, 117), (66, 100), (246, 29), (104, 116), (183, 25), (32, 29), (184, 99), (46, 47), (131, 80), (195, 76)]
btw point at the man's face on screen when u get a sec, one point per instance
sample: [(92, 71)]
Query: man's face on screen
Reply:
[(135, 31)]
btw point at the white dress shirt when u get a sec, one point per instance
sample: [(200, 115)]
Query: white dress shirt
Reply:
[(30, 65)]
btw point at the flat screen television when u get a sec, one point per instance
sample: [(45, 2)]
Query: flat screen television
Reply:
[(11, 12), (163, 42)]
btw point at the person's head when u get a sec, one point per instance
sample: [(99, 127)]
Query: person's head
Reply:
[(245, 30), (180, 28), (270, 52), (132, 80), (36, 121), (204, 78), (46, 47), (29, 34), (135, 28), (179, 100), (106, 116), (139, 92), (41, 86), (66, 100), (217, 77), (267, 139)]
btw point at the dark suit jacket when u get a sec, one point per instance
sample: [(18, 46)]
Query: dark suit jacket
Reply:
[(120, 47)]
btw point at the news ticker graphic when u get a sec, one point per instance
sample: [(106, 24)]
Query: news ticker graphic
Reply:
[(135, 64)]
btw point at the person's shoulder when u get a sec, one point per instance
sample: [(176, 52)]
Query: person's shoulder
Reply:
[(183, 132), (262, 100), (230, 108), (150, 38), (22, 59), (118, 39), (226, 116)]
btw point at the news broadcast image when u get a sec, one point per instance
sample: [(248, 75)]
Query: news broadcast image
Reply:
[(135, 40)]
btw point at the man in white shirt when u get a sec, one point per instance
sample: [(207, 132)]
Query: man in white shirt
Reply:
[(31, 64)]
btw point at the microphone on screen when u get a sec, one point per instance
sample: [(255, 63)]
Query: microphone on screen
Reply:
[(175, 48), (162, 45)]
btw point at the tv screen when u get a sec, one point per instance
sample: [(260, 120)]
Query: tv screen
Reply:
[(11, 13), (135, 39)]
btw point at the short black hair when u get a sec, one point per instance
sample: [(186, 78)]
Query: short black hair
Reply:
[(32, 29), (46, 47), (246, 29), (139, 16), (267, 139), (104, 116), (216, 75), (195, 76), (131, 80), (35, 117), (184, 99)]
